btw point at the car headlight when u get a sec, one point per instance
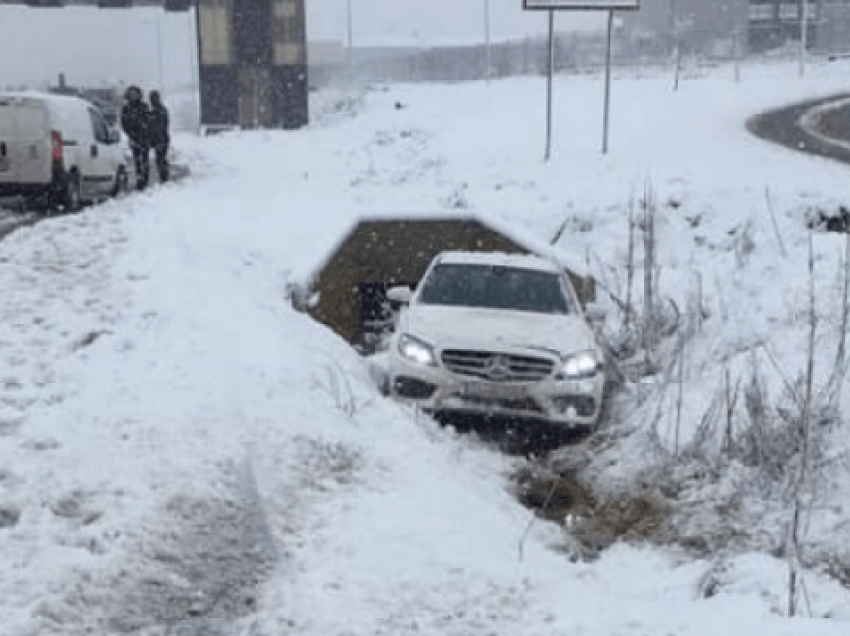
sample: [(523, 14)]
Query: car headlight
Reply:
[(580, 365), (416, 350)]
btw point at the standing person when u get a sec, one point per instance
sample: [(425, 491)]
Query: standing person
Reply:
[(160, 139), (135, 121)]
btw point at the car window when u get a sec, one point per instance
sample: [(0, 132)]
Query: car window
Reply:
[(494, 287), (100, 129)]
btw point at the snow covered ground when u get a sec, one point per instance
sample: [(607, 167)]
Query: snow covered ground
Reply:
[(183, 453)]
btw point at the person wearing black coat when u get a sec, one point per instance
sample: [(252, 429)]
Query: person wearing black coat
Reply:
[(135, 121), (160, 139)]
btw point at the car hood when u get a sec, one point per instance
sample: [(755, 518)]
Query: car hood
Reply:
[(489, 329)]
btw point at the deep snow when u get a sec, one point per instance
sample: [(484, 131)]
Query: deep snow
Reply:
[(156, 387)]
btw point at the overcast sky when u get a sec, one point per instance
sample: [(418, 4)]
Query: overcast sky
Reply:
[(151, 47), (432, 21)]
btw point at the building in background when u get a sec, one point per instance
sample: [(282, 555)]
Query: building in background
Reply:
[(706, 26), (772, 23), (735, 27)]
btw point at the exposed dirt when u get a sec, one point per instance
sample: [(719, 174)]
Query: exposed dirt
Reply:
[(10, 514), (592, 521)]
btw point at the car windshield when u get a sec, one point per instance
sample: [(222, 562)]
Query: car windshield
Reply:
[(494, 287)]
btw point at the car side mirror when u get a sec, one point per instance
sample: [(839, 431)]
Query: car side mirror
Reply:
[(595, 314), (400, 294)]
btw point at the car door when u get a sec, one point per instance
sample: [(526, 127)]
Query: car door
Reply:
[(102, 165)]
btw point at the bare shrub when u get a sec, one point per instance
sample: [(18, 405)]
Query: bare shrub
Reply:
[(324, 464), (551, 496), (837, 566), (634, 343), (592, 523), (626, 517)]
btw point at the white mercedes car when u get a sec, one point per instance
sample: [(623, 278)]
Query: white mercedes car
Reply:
[(496, 334)]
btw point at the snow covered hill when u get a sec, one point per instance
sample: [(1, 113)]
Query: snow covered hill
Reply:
[(183, 453)]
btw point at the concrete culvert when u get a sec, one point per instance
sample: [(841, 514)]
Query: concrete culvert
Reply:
[(348, 292)]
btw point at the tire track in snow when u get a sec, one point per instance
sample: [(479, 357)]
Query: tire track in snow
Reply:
[(197, 570)]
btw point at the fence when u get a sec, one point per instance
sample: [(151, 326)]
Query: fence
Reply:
[(585, 52)]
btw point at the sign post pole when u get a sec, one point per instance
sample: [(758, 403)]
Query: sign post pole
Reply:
[(550, 71), (579, 5), (488, 45), (804, 32), (606, 107)]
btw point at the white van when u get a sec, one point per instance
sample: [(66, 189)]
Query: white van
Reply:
[(60, 148)]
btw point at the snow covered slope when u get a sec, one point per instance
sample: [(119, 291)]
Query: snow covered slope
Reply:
[(181, 452)]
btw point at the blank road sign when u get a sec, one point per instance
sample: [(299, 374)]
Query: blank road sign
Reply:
[(579, 5)]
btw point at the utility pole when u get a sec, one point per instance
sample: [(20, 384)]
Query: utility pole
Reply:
[(488, 49), (804, 35), (550, 70), (349, 26), (606, 107)]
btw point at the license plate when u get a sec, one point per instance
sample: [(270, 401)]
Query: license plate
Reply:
[(494, 391)]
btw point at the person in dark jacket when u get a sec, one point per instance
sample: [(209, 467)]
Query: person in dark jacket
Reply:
[(135, 121), (159, 136)]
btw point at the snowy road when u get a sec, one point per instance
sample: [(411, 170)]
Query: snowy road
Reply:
[(14, 214), (784, 126), (11, 218)]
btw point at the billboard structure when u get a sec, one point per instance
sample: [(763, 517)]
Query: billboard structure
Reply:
[(579, 5), (252, 63)]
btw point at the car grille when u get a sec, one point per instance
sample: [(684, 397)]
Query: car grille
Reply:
[(497, 367), (526, 405)]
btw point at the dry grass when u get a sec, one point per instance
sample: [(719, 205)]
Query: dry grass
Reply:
[(592, 523)]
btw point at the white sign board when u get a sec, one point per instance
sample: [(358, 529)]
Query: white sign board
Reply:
[(579, 5)]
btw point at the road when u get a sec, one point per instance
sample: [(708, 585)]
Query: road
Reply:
[(14, 215), (782, 126), (12, 218)]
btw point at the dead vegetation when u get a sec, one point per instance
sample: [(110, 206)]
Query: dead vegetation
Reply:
[(591, 523), (757, 464)]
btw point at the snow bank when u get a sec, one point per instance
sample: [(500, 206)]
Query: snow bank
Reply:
[(153, 376)]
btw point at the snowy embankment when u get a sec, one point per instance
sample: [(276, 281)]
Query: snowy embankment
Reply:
[(180, 449)]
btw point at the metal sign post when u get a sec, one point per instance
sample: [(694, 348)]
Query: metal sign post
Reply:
[(804, 32), (550, 71), (579, 5), (488, 45), (606, 107)]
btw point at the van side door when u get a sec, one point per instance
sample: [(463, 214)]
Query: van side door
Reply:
[(35, 144)]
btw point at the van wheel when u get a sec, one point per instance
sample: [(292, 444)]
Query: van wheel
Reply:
[(122, 182), (71, 198)]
